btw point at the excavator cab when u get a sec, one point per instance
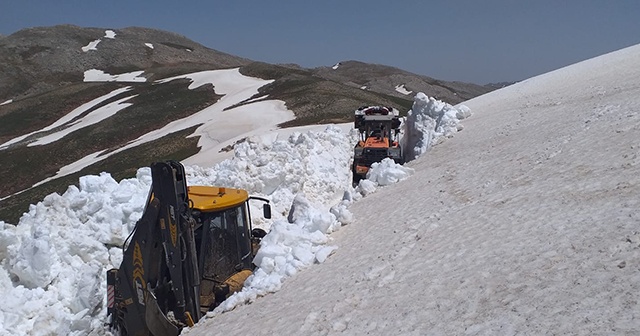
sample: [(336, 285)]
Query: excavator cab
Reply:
[(192, 248)]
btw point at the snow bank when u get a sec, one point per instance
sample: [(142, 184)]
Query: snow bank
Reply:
[(428, 122), (313, 163), (55, 259)]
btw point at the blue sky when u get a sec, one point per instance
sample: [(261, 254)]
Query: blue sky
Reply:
[(467, 40)]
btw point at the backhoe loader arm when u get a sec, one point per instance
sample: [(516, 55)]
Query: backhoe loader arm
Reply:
[(155, 291)]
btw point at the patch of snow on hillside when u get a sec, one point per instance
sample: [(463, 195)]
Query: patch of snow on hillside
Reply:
[(225, 119), (94, 75), (336, 66), (149, 45), (400, 88), (91, 46), (68, 118), (109, 34), (93, 117), (6, 102)]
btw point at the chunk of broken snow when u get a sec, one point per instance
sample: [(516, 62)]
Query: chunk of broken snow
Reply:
[(388, 172), (342, 213), (366, 187), (324, 253), (462, 112)]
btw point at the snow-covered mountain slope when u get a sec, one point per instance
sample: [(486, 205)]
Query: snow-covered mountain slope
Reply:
[(526, 222)]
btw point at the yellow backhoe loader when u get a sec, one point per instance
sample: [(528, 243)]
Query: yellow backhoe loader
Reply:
[(190, 250)]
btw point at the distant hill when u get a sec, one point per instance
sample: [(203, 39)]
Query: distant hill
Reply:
[(42, 72), (397, 82)]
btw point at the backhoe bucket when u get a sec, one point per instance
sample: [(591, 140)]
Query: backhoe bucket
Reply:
[(156, 321)]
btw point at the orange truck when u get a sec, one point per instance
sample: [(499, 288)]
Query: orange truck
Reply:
[(379, 128)]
